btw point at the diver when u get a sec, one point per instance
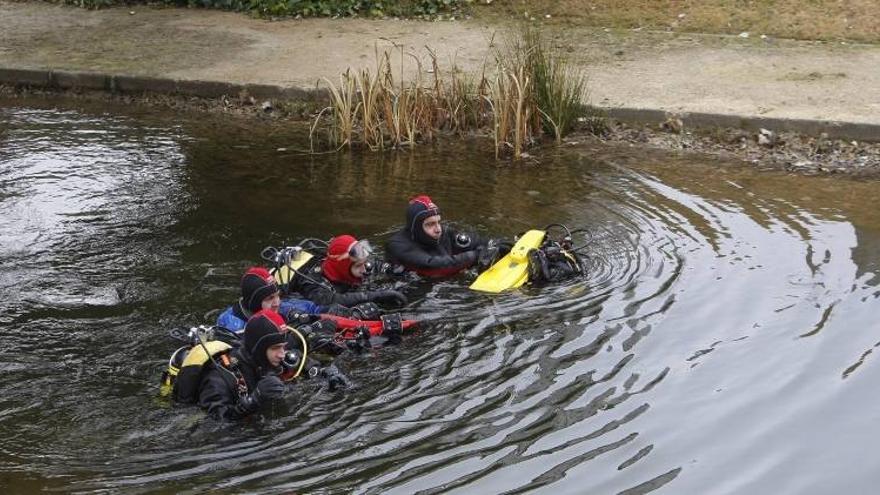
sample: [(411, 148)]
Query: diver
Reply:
[(338, 277), (251, 379), (236, 381), (260, 292), (427, 247)]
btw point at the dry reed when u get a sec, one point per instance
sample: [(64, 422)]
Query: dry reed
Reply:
[(530, 87)]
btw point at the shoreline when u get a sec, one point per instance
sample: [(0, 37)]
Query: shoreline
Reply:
[(789, 151)]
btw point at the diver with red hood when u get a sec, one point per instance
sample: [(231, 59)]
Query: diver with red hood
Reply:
[(428, 247), (339, 277), (259, 291), (238, 381), (231, 392)]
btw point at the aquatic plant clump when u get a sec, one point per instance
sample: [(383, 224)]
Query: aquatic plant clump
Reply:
[(559, 85), (529, 91)]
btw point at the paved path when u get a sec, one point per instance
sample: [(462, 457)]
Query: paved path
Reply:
[(718, 75)]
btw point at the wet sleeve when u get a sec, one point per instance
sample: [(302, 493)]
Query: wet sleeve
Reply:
[(315, 292), (218, 399), (353, 298), (300, 306), (410, 255), (323, 295)]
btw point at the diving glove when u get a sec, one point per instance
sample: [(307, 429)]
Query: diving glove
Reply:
[(466, 258), (486, 256), (335, 379), (361, 340), (389, 296), (268, 388), (366, 311), (392, 328)]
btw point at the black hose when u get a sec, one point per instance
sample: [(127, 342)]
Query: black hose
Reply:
[(269, 254), (563, 227)]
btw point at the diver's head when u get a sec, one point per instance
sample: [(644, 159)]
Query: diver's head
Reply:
[(259, 290), (423, 221), (264, 338), (346, 260)]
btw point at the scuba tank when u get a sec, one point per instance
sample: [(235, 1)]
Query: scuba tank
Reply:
[(181, 379), (289, 261), (204, 345)]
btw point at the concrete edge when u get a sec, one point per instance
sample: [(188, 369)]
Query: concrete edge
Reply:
[(73, 80), (699, 120), (127, 84)]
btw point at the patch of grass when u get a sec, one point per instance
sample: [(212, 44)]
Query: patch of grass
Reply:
[(797, 19), (530, 90), (345, 109), (560, 86)]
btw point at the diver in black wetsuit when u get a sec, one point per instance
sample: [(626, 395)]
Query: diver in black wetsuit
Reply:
[(429, 248), (236, 392)]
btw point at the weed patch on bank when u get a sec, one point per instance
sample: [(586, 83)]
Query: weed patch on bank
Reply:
[(527, 92)]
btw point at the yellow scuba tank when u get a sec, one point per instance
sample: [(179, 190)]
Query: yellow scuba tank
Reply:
[(169, 376), (285, 273), (512, 270), (181, 379)]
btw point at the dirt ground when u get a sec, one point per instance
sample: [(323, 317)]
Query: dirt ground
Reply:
[(636, 69), (676, 73)]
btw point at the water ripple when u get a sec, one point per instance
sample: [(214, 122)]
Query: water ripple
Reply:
[(726, 319)]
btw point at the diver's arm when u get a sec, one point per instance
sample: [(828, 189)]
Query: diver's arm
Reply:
[(302, 306), (326, 294), (317, 289), (219, 399), (411, 255), (228, 320)]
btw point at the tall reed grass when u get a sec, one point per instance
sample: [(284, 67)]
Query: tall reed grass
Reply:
[(560, 86), (529, 90)]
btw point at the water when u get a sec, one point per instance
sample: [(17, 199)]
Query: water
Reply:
[(722, 343)]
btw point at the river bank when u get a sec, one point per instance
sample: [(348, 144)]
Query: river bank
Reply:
[(676, 91), (789, 151)]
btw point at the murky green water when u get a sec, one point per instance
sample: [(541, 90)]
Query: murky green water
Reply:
[(722, 342)]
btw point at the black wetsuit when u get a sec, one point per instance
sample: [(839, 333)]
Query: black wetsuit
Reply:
[(433, 258), (218, 389), (314, 286), (413, 249)]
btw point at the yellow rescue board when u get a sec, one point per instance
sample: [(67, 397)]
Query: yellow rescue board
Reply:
[(512, 270), (285, 274)]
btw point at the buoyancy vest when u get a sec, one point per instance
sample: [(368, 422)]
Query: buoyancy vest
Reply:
[(188, 364)]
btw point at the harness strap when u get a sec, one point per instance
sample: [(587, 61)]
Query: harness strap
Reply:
[(232, 365)]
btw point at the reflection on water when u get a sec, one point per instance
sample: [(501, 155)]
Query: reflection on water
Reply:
[(721, 343)]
